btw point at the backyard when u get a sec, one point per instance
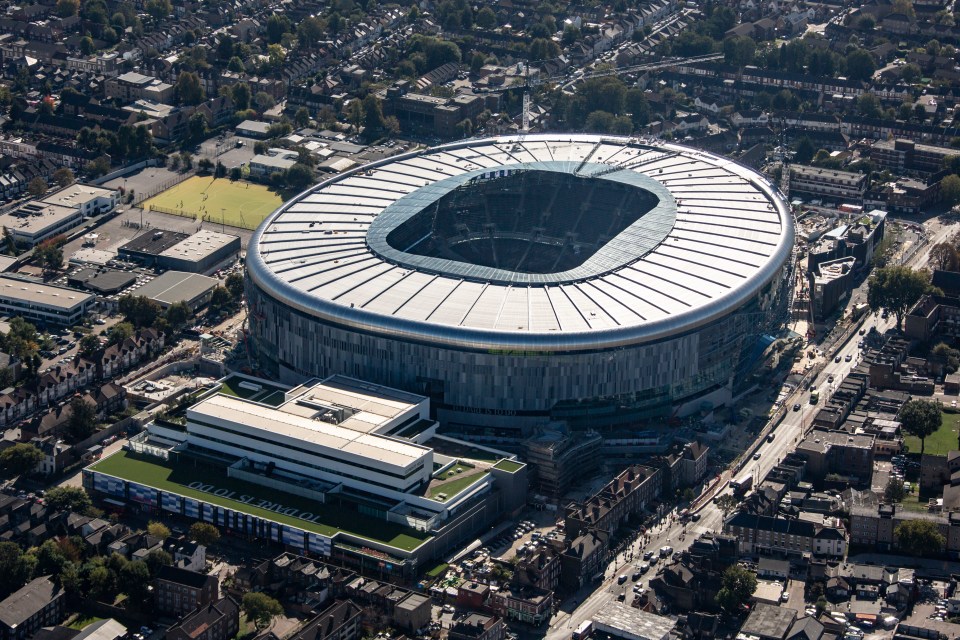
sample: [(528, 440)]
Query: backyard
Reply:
[(939, 443)]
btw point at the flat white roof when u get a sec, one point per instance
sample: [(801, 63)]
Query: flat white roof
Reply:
[(731, 235), (14, 289), (33, 218), (199, 245), (76, 195), (376, 448)]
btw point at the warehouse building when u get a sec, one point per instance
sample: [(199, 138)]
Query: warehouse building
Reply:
[(176, 286), (101, 281), (146, 248), (43, 303), (203, 252)]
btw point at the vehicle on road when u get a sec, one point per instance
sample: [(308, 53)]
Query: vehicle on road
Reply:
[(584, 630), (621, 578), (666, 551), (756, 456), (837, 359), (796, 407)]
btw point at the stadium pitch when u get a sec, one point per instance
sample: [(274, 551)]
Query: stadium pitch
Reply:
[(219, 200)]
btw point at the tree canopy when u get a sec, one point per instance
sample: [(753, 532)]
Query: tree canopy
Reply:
[(919, 537), (67, 499), (260, 608), (21, 458), (895, 289), (737, 587), (921, 418)]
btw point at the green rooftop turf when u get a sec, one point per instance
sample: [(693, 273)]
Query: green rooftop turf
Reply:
[(509, 466), (455, 485), (269, 394), (167, 476)]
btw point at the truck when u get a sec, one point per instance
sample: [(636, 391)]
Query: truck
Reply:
[(742, 485)]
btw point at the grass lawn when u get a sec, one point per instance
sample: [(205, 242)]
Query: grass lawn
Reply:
[(238, 204), (167, 476), (508, 465), (268, 394), (940, 443), (455, 485), (911, 502), (82, 621)]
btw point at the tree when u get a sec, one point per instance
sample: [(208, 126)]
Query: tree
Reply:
[(570, 35), (860, 65), (919, 537), (260, 608), (277, 25), (134, 580), (49, 254), (950, 189), (158, 9), (739, 51), (947, 356), (219, 299), (302, 117), (486, 19), (67, 8), (63, 177), (188, 88), (234, 284), (895, 289), (262, 101), (83, 419), (804, 151), (921, 418), (158, 530), (37, 187), (894, 491), (86, 45), (299, 176), (15, 567), (869, 105), (119, 332), (156, 559), (737, 587), (139, 310), (22, 458), (89, 345), (943, 256), (726, 503), (197, 127), (310, 31), (178, 314), (543, 49), (67, 499), (204, 533)]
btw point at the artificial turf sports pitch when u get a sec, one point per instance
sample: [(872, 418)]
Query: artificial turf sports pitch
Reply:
[(218, 200)]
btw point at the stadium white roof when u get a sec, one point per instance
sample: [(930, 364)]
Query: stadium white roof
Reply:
[(728, 232)]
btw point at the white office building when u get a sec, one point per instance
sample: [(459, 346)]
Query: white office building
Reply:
[(43, 303)]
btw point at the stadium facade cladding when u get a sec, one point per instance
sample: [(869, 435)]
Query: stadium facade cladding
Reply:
[(517, 280)]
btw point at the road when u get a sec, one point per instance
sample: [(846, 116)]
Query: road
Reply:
[(671, 532)]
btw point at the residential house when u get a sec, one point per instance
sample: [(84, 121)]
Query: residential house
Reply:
[(218, 620), (178, 591)]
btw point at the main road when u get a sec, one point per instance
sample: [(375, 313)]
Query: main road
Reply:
[(671, 532)]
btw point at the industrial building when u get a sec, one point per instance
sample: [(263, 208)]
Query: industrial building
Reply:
[(87, 199), (324, 466), (43, 303), (176, 286), (591, 280), (104, 282), (146, 248), (202, 252)]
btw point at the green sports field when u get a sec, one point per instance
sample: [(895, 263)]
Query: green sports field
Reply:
[(237, 204)]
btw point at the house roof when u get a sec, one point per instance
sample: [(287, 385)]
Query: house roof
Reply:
[(26, 602)]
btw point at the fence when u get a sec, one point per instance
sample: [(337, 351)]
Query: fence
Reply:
[(174, 212), (163, 186)]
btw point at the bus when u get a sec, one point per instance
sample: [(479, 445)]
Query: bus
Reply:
[(584, 630), (742, 485), (814, 397)]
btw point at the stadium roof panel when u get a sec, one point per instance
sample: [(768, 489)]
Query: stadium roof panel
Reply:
[(719, 232)]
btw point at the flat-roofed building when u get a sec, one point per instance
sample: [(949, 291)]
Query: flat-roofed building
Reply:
[(43, 303), (34, 222), (87, 199), (307, 447), (134, 86), (263, 165), (620, 620), (203, 252), (176, 286), (844, 186), (146, 248)]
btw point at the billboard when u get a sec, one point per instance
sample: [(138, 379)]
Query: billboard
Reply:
[(171, 502), (109, 484)]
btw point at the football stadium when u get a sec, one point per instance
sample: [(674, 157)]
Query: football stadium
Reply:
[(520, 280)]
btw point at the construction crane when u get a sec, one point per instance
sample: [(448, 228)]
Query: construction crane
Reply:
[(529, 83)]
